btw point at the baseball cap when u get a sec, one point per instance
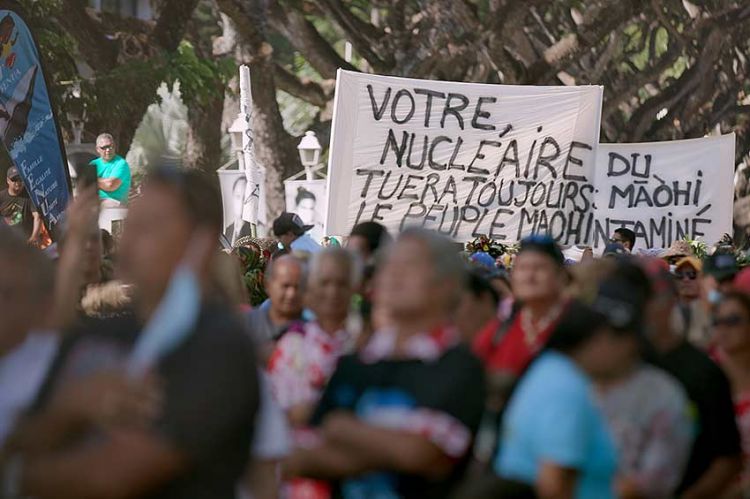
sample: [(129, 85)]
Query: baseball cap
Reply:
[(12, 173), (721, 267), (621, 303), (483, 259), (614, 249), (289, 222)]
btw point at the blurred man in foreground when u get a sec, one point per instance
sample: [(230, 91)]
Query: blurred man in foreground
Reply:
[(185, 433), (25, 349)]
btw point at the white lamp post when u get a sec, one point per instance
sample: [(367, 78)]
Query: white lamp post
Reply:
[(309, 152)]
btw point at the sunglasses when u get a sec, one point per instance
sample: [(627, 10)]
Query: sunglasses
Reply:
[(690, 275), (728, 321), (15, 179), (106, 148)]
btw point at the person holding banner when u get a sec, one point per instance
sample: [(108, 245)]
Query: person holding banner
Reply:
[(16, 208)]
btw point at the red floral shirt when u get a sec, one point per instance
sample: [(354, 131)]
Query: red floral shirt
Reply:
[(303, 360)]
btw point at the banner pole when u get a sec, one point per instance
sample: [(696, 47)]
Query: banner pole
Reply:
[(252, 190)]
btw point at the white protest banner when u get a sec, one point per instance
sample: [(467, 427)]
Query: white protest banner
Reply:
[(464, 159), (665, 191)]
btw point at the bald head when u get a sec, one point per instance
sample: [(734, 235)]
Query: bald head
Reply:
[(284, 280)]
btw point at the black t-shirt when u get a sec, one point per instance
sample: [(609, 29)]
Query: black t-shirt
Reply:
[(710, 393), (210, 394), (408, 390), (17, 211)]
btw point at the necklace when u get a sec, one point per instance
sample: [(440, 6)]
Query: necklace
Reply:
[(532, 329)]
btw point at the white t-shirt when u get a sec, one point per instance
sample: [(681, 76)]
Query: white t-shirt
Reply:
[(22, 372)]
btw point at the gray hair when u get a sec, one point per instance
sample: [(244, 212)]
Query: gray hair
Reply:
[(103, 136), (286, 258), (38, 270), (342, 257), (446, 262)]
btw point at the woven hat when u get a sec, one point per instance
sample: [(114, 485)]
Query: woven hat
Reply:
[(678, 248)]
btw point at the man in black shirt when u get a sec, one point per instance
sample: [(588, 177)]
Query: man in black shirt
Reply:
[(107, 434), (397, 419), (16, 208), (715, 457)]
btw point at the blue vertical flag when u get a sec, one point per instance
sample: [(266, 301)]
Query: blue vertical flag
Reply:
[(28, 125)]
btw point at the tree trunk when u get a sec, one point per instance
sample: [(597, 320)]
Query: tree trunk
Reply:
[(275, 149), (203, 150)]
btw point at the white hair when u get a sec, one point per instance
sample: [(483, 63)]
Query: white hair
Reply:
[(340, 256), (103, 136)]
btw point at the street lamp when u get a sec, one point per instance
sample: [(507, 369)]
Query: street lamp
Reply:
[(309, 152)]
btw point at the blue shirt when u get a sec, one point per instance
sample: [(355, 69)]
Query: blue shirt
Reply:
[(117, 168), (305, 243), (552, 417)]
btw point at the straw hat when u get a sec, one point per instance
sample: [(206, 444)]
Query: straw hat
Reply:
[(678, 248)]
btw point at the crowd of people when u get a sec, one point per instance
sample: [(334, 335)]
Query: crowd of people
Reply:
[(394, 366)]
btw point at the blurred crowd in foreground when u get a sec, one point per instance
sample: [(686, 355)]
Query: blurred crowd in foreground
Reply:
[(159, 366)]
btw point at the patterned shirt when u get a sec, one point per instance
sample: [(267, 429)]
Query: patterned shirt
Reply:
[(303, 360), (648, 416)]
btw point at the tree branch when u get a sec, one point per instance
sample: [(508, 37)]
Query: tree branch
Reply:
[(305, 89), (603, 19), (637, 80), (99, 51), (303, 36), (364, 36), (689, 81), (174, 16)]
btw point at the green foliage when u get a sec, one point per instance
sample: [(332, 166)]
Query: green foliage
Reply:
[(297, 114), (111, 94), (700, 248), (641, 58), (200, 78)]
